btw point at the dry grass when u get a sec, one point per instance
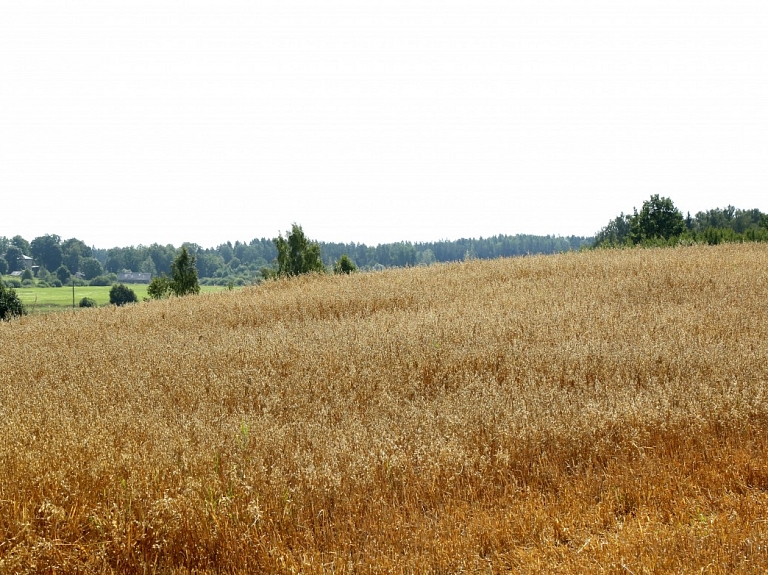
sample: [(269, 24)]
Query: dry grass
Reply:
[(581, 413)]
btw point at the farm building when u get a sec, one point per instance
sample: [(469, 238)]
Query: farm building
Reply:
[(129, 277)]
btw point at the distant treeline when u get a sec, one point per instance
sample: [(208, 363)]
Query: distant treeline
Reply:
[(403, 254), (659, 222), (244, 262)]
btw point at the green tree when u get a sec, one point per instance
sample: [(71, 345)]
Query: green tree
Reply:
[(74, 251), (425, 257), (47, 251), (13, 257), (10, 304), (115, 260), (148, 266), (658, 219), (159, 287), (226, 251), (344, 265), (296, 254), (402, 254), (162, 256), (22, 244), (3, 267), (27, 275), (208, 264), (184, 274), (91, 268), (121, 294), (63, 274), (616, 233)]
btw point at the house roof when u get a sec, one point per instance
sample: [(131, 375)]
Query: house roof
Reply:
[(134, 276)]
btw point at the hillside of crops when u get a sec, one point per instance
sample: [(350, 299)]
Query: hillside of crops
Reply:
[(594, 412)]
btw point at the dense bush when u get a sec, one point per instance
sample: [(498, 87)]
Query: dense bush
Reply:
[(344, 265), (10, 304), (100, 281), (28, 283), (121, 294), (159, 287), (87, 302), (44, 274), (42, 284), (13, 282), (27, 275), (56, 283)]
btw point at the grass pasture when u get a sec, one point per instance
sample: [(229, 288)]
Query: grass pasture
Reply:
[(598, 412), (43, 300)]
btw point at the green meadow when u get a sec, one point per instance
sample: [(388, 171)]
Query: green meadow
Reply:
[(44, 300)]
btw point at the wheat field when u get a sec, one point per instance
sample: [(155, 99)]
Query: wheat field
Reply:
[(598, 412)]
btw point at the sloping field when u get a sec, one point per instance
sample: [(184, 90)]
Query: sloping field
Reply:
[(581, 413)]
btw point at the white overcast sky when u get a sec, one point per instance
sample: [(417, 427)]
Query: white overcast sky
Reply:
[(125, 123)]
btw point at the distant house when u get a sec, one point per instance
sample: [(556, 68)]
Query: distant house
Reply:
[(27, 262), (129, 277)]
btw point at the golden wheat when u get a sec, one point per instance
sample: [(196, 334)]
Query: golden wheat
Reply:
[(590, 412)]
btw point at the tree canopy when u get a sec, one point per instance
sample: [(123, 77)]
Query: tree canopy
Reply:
[(184, 274), (90, 267), (658, 218), (296, 254), (47, 251), (22, 244), (659, 222), (13, 257)]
